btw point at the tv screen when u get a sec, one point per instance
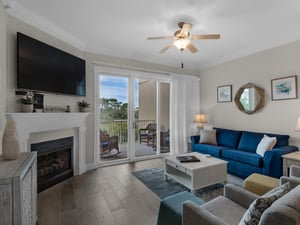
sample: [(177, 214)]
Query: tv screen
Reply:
[(41, 67)]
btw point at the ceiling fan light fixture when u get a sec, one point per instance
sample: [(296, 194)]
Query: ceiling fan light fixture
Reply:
[(181, 43)]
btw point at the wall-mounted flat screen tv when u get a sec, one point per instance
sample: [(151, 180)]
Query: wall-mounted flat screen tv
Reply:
[(41, 67)]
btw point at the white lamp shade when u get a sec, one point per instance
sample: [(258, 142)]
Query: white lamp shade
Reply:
[(200, 118), (298, 124)]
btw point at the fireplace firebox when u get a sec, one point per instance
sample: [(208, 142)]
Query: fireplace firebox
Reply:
[(54, 161)]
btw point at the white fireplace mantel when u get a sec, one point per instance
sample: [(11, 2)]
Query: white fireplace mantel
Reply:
[(28, 123)]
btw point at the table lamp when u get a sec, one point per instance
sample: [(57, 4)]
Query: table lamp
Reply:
[(199, 119), (298, 124)]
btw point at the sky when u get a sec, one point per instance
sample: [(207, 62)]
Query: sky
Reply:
[(117, 87)]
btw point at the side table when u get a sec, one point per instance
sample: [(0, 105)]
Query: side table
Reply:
[(290, 159), (18, 190)]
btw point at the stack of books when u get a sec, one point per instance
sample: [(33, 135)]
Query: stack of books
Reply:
[(189, 158)]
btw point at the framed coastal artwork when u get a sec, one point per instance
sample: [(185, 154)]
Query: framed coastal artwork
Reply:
[(224, 93), (284, 88)]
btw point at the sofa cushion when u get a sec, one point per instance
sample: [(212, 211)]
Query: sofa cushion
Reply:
[(213, 150), (282, 139), (265, 144), (250, 140), (208, 137), (241, 156), (228, 138)]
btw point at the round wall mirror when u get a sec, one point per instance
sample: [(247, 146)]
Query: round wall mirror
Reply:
[(250, 98)]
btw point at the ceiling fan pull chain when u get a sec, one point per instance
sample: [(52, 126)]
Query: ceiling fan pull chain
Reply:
[(182, 65)]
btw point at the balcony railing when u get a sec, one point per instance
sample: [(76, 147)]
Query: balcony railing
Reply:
[(120, 128)]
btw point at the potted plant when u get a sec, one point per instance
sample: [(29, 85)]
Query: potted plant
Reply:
[(27, 103), (83, 105)]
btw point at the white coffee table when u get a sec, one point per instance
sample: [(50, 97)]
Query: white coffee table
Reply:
[(196, 175)]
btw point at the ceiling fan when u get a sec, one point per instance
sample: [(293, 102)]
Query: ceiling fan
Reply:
[(182, 38)]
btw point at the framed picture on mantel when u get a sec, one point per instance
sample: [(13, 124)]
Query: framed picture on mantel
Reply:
[(224, 93), (284, 88)]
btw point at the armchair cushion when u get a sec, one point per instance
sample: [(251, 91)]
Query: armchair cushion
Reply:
[(285, 210), (217, 205), (253, 214), (215, 212)]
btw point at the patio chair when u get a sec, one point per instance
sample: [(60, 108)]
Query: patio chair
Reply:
[(107, 144), (147, 134)]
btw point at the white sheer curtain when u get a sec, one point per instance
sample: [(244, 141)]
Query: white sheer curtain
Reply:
[(185, 102)]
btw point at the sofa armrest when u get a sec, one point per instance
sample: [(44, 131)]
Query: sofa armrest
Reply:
[(195, 140), (194, 214), (239, 195), (273, 160)]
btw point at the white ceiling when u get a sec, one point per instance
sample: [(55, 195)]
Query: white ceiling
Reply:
[(120, 27)]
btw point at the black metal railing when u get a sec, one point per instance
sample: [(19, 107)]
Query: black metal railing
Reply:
[(120, 128)]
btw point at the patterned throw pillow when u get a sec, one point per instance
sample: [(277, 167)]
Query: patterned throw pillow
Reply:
[(258, 206), (208, 137)]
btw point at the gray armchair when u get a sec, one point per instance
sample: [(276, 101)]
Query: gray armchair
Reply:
[(230, 208)]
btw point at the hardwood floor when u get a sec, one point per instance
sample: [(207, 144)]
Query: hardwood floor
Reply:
[(104, 196)]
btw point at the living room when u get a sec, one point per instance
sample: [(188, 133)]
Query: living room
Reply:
[(258, 65)]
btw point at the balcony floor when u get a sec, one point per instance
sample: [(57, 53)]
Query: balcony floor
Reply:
[(142, 149)]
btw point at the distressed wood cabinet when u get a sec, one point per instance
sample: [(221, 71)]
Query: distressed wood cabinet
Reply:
[(18, 190)]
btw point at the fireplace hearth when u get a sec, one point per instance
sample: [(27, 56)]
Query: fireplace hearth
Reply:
[(54, 161)]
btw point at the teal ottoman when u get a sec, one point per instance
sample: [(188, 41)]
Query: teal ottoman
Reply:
[(170, 209)]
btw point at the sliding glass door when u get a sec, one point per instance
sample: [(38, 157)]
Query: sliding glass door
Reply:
[(152, 119), (113, 116), (133, 117)]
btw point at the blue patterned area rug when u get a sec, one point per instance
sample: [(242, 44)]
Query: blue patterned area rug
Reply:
[(154, 179)]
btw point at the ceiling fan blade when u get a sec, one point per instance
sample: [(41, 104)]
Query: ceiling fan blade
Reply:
[(186, 29), (205, 36), (170, 45), (158, 38), (192, 48)]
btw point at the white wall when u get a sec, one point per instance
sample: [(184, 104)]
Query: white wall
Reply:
[(10, 26), (3, 68), (260, 69)]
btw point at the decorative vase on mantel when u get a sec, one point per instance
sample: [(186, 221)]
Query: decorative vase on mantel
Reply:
[(27, 108), (27, 103), (83, 106), (10, 144)]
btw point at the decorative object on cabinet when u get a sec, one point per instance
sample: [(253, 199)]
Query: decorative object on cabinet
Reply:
[(18, 193), (10, 144), (83, 105), (224, 93), (250, 98), (284, 88), (27, 103)]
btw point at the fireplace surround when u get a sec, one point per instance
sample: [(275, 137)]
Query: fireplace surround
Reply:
[(54, 161), (30, 123)]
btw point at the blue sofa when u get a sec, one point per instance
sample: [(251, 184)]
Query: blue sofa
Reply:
[(238, 148)]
